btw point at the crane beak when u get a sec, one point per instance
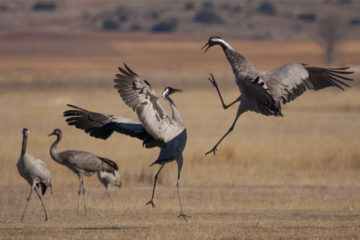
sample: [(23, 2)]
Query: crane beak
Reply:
[(51, 134), (174, 90), (206, 47)]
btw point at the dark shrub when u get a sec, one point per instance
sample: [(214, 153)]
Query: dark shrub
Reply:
[(189, 6), (207, 17), (122, 13), (355, 21), (236, 9), (154, 15), (44, 6), (169, 25), (267, 8), (110, 25), (4, 8), (307, 17)]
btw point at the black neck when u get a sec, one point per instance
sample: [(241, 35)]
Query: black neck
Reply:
[(53, 151), (170, 100), (58, 138), (24, 143)]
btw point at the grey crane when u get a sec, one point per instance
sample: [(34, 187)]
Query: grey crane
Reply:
[(264, 91), (109, 179), (81, 163), (155, 128), (35, 172)]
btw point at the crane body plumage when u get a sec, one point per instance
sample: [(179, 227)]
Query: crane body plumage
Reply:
[(35, 172), (155, 127), (264, 91), (81, 163)]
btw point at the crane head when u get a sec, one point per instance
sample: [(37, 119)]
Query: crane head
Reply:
[(25, 131), (170, 90), (213, 40), (56, 132)]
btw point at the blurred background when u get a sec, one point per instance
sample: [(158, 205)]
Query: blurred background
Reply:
[(67, 51), (98, 35)]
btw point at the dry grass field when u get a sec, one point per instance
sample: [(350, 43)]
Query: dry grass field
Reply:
[(295, 177)]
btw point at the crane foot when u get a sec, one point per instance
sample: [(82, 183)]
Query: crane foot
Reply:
[(151, 202), (212, 81), (213, 150), (184, 216)]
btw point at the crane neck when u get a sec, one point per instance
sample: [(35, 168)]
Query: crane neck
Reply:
[(238, 61), (53, 152), (24, 144), (175, 113), (222, 43)]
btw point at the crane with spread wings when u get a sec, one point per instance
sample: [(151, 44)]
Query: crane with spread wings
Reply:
[(264, 91), (155, 127)]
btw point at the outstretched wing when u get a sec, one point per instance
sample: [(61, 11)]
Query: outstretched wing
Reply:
[(138, 94), (100, 125), (291, 80)]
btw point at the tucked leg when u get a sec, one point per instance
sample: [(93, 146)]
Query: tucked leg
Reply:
[(153, 192), (213, 82), (242, 108)]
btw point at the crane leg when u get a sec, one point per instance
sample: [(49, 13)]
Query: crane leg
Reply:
[(27, 202), (153, 192), (213, 82), (84, 193), (79, 195), (178, 190), (108, 192), (42, 203), (241, 110)]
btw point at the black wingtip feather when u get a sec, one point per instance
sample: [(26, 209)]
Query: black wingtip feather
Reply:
[(129, 70), (109, 162)]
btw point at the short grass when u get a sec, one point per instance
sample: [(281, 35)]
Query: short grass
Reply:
[(272, 178)]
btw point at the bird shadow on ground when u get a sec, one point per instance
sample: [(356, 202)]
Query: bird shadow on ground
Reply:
[(108, 228)]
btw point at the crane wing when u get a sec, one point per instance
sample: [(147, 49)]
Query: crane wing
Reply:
[(138, 94), (264, 99), (100, 125), (88, 162), (291, 80)]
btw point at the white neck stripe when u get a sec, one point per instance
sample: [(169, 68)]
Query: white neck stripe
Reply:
[(165, 92), (221, 41)]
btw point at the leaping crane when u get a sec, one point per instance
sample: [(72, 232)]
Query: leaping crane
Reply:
[(263, 92)]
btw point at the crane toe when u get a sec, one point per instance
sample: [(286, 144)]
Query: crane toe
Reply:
[(184, 216), (151, 202), (213, 150)]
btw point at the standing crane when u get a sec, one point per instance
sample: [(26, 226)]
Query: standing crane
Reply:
[(155, 128), (109, 179), (81, 163), (35, 172), (263, 92)]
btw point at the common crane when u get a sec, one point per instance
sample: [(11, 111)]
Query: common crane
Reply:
[(109, 179), (155, 128), (81, 163), (263, 92), (35, 172)]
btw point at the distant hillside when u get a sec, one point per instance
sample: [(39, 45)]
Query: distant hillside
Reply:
[(248, 19)]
